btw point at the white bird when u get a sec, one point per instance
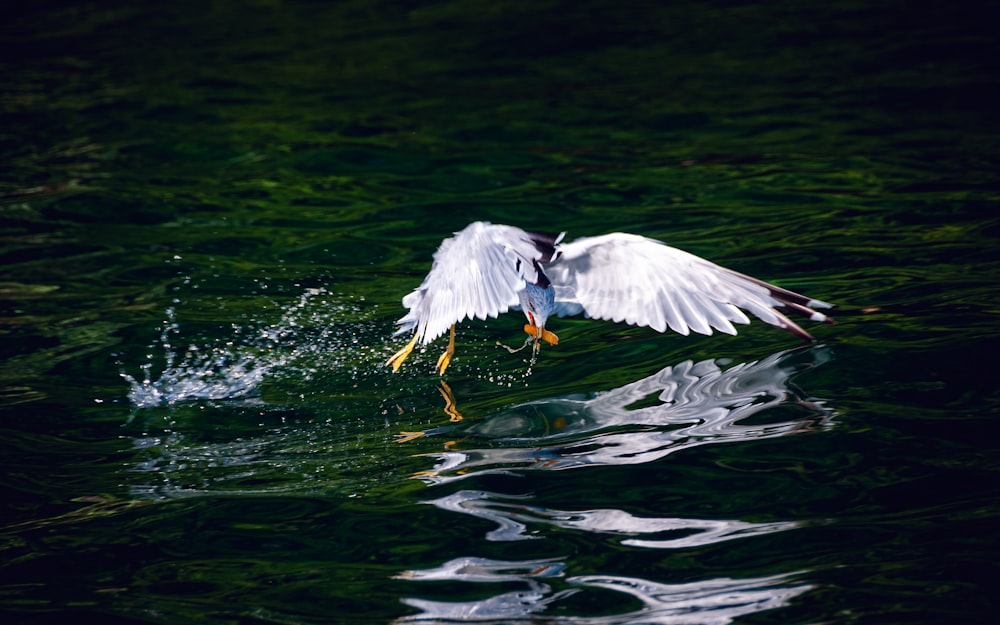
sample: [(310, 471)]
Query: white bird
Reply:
[(487, 269)]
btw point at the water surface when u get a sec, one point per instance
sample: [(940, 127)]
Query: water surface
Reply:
[(210, 215)]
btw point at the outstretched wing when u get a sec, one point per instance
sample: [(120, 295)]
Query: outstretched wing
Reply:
[(477, 273), (625, 277)]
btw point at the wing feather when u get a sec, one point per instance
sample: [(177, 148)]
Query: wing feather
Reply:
[(477, 273), (625, 277)]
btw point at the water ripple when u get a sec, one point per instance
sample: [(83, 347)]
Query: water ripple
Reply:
[(514, 518), (716, 601)]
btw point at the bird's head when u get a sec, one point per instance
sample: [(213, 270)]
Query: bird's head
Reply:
[(537, 304)]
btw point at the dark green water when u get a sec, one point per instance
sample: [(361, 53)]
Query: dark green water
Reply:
[(210, 212)]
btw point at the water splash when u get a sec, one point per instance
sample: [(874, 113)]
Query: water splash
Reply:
[(311, 329)]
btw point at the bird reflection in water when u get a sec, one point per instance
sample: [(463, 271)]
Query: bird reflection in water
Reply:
[(715, 601), (679, 407), (692, 404)]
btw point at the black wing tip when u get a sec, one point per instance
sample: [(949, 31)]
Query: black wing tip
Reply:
[(545, 243), (794, 328), (543, 281), (800, 304)]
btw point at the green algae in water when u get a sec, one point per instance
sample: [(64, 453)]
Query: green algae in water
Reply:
[(224, 163)]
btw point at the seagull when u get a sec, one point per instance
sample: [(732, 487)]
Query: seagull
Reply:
[(488, 269)]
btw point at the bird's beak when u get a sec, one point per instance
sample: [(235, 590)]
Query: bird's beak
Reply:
[(538, 332)]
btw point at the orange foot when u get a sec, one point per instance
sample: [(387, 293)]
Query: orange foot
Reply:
[(541, 333), (406, 437)]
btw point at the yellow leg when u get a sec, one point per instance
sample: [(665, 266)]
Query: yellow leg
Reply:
[(445, 358), (398, 358), (450, 408)]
